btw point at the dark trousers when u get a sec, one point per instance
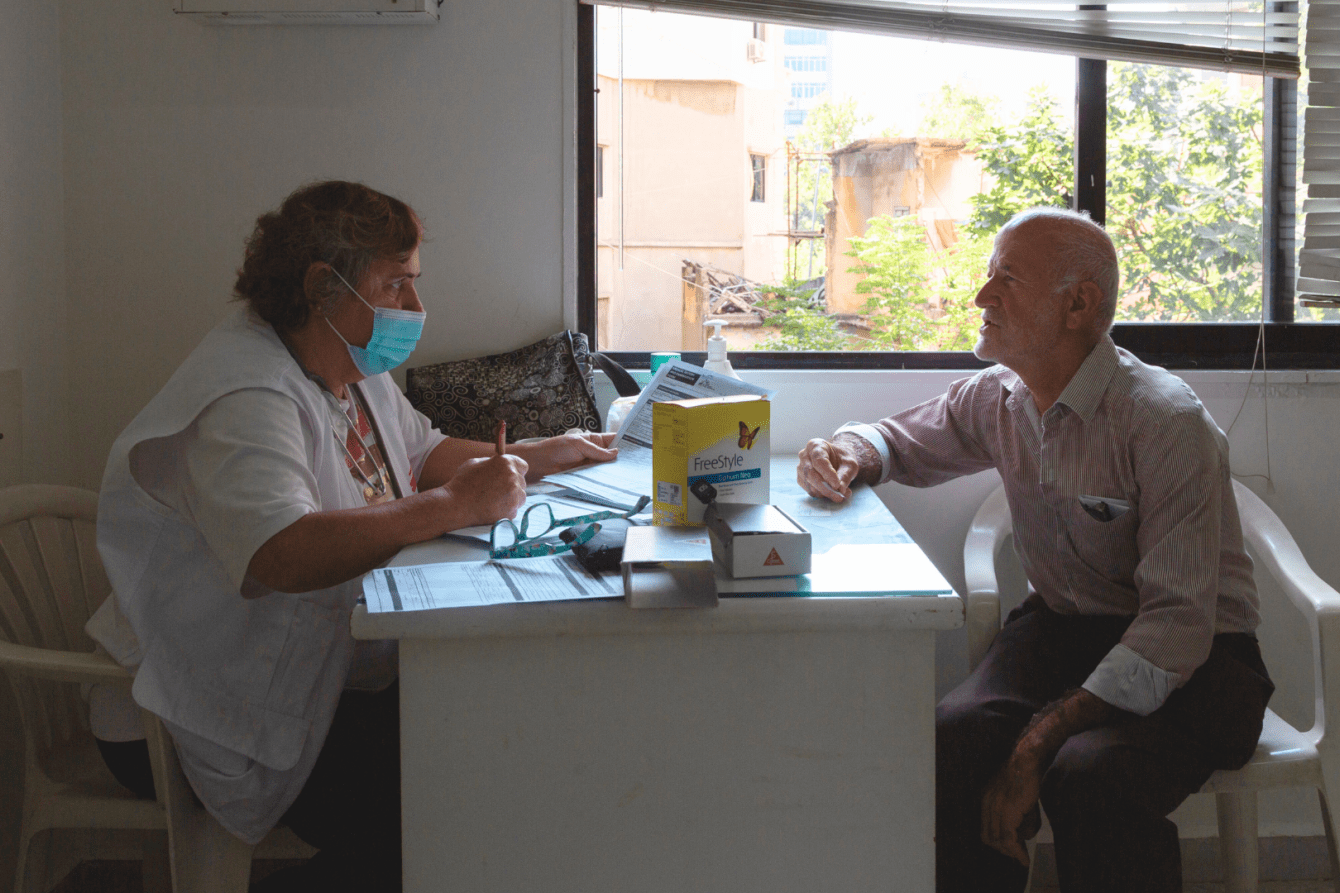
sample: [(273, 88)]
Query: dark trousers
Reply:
[(1109, 790), (349, 809)]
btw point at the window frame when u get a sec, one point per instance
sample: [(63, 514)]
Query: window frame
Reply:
[(1227, 346), (758, 170)]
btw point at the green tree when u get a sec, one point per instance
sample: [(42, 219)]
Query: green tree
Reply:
[(1183, 196), (829, 125), (804, 328), (918, 298), (955, 112), (1030, 163), (1183, 209)]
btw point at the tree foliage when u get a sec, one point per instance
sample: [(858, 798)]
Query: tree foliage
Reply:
[(1185, 168), (918, 298), (1029, 163), (1183, 195), (955, 112)]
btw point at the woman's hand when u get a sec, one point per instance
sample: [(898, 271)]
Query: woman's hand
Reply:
[(484, 490), (555, 454)]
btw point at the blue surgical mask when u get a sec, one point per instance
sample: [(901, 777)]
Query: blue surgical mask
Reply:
[(394, 334)]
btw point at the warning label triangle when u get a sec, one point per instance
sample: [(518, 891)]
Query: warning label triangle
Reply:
[(773, 559)]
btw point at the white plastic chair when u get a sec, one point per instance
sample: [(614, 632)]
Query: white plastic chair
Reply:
[(51, 580), (1285, 756)]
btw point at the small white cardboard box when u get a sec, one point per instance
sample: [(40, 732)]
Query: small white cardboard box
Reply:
[(757, 540), (668, 567)]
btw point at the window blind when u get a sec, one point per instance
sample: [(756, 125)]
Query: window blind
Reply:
[(1216, 34), (1319, 259)]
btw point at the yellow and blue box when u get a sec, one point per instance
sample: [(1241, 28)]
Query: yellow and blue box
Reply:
[(709, 449)]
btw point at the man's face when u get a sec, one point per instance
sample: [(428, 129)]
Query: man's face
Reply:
[(388, 283), (1022, 316)]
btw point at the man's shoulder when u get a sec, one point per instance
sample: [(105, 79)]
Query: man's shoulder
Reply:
[(993, 380), (1151, 392)]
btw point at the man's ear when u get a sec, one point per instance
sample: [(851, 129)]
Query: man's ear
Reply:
[(1084, 305)]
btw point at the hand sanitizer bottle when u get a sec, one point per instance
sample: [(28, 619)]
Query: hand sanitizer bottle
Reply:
[(716, 351)]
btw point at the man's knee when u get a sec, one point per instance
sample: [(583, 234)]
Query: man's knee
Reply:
[(975, 730), (1085, 771)]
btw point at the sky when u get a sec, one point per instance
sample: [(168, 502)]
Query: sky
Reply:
[(890, 77)]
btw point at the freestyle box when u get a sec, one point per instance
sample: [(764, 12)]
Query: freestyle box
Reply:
[(713, 448)]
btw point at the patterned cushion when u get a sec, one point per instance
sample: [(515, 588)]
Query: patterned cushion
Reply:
[(540, 390)]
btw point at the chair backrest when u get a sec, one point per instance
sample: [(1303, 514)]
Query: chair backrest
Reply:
[(1275, 552), (51, 580)]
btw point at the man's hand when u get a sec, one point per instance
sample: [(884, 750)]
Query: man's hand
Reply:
[(1010, 808), (1010, 803), (566, 451), (827, 468), (485, 490)]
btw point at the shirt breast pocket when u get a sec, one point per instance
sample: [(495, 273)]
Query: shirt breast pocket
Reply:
[(1102, 532), (1104, 509)]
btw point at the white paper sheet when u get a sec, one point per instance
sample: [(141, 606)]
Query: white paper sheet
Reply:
[(563, 509), (469, 583)]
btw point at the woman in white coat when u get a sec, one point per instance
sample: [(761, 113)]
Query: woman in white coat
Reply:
[(241, 508)]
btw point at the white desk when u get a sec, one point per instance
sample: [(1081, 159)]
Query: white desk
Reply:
[(770, 744)]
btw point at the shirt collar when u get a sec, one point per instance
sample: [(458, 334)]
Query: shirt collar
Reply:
[(1086, 387)]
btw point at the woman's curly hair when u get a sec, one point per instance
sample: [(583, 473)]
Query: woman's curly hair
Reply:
[(346, 225)]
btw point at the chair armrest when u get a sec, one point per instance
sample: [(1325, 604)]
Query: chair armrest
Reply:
[(1319, 603), (61, 666), (987, 532)]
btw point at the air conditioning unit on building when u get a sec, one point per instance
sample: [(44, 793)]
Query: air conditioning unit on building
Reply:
[(309, 12), (757, 51)]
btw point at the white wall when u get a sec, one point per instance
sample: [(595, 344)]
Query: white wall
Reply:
[(32, 244), (33, 413), (179, 134)]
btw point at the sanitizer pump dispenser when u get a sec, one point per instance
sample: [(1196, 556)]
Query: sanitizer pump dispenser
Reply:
[(716, 351)]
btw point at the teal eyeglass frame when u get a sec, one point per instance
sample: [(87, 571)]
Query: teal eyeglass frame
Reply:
[(526, 545)]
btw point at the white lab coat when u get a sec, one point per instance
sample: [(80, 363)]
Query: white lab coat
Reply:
[(248, 686)]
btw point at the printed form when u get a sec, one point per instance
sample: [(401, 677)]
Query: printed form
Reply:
[(464, 584)]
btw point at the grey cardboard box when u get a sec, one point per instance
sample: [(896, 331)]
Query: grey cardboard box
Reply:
[(757, 540)]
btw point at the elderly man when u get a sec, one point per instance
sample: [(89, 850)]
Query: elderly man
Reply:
[(240, 510), (1131, 671)]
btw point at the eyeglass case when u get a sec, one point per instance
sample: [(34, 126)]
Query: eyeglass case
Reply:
[(604, 551)]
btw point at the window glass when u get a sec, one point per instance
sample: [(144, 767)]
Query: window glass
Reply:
[(894, 162)]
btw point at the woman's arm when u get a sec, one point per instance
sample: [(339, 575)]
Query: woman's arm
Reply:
[(549, 456), (323, 549)]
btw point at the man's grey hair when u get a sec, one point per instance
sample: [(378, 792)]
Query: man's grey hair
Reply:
[(1083, 251)]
